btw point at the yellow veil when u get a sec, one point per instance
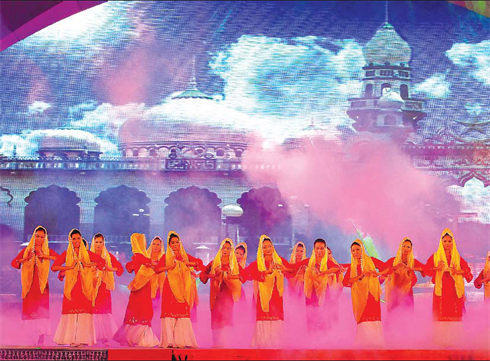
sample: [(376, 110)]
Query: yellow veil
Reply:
[(103, 276), (486, 273), (144, 275), (234, 284), (361, 289), (277, 277), (405, 282), (179, 278), (71, 276), (321, 283), (27, 270), (440, 255), (157, 280)]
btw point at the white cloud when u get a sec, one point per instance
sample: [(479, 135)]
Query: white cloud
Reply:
[(474, 198), (476, 57), (38, 107), (435, 87), (27, 143)]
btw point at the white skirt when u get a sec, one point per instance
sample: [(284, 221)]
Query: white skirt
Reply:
[(370, 335), (223, 337), (268, 334), (177, 332), (448, 334), (75, 329), (136, 336), (105, 326), (35, 328)]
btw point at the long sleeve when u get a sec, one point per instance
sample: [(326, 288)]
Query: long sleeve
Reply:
[(479, 280), (254, 272), (59, 261), (15, 262), (116, 264), (380, 265), (97, 259), (346, 280), (466, 268), (53, 254), (200, 264), (204, 275)]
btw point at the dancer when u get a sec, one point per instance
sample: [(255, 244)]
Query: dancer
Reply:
[(296, 282), (76, 327), (483, 279), (401, 277), (225, 289), (155, 251), (268, 275), (33, 261), (105, 326), (362, 277), (319, 278), (448, 271), (136, 330), (178, 295)]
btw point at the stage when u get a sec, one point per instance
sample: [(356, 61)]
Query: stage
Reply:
[(18, 353)]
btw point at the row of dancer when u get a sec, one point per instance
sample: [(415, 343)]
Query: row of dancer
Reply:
[(89, 280)]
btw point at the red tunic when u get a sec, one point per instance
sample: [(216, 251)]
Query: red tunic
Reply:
[(36, 304), (222, 312), (78, 303), (407, 301), (103, 302), (139, 310), (276, 304), (372, 312), (171, 308), (448, 307)]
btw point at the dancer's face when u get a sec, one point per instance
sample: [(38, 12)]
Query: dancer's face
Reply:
[(156, 246), (267, 248), (175, 244), (319, 250), (226, 250), (356, 251), (99, 243), (239, 254), (39, 237), (300, 251), (76, 240), (447, 242), (406, 247)]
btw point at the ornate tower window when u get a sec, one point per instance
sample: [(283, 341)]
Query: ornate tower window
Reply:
[(368, 91), (404, 91)]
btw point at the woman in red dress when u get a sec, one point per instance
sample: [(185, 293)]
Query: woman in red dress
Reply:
[(319, 278), (178, 294), (76, 326), (401, 277), (33, 261), (448, 271), (105, 326), (136, 329), (296, 282), (483, 279), (268, 275), (361, 276), (155, 251), (224, 272)]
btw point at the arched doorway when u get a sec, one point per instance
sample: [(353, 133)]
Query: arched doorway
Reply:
[(121, 211), (194, 213), (55, 208), (265, 212)]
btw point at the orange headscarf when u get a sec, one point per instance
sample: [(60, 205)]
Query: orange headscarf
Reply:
[(318, 283), (145, 274), (486, 273), (234, 284), (277, 277), (103, 276), (243, 262), (440, 255), (400, 281), (179, 279), (297, 282), (71, 276), (27, 270), (158, 279), (361, 289)]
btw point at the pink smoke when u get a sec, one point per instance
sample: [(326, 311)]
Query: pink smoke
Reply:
[(371, 183)]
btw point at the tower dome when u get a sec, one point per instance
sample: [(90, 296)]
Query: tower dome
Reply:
[(387, 46), (390, 99)]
